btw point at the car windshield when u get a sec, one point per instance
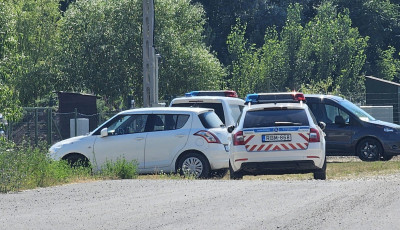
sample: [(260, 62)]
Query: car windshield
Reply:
[(357, 111), (281, 116)]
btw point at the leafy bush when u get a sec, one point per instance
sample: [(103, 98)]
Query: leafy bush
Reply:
[(120, 169)]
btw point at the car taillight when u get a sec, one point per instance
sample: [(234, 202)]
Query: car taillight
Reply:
[(208, 136), (238, 138), (299, 97), (314, 135)]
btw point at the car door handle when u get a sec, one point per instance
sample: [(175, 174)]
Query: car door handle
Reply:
[(180, 135), (139, 138)]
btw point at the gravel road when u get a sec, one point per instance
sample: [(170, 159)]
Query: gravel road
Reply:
[(372, 203)]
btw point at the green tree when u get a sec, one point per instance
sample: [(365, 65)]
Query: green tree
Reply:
[(388, 65), (27, 34), (101, 50)]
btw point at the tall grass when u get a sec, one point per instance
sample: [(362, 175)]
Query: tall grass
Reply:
[(25, 167)]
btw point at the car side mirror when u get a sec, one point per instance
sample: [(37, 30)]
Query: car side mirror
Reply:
[(322, 125), (231, 128), (104, 132)]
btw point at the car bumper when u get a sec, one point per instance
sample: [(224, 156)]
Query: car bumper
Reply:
[(218, 156), (277, 161)]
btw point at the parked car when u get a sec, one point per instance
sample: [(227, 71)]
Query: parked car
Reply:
[(350, 131), (192, 140), (225, 103), (277, 134)]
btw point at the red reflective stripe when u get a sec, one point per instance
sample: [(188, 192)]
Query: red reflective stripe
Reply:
[(248, 139), (303, 136), (276, 148), (312, 156), (242, 159), (306, 144), (284, 146), (247, 147), (268, 147), (293, 146), (302, 147), (260, 148), (252, 148)]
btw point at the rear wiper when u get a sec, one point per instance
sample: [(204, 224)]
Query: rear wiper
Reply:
[(286, 123)]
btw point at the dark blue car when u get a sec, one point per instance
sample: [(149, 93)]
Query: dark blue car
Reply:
[(350, 131)]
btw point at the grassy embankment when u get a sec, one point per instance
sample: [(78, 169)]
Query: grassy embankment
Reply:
[(23, 167)]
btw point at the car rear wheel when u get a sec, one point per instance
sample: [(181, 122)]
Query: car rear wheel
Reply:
[(234, 175), (369, 149), (194, 164), (320, 174)]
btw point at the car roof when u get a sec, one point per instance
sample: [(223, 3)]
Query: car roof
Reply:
[(277, 105), (322, 96), (165, 109), (207, 98)]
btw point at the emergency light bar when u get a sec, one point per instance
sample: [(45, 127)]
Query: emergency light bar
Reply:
[(222, 93), (263, 98)]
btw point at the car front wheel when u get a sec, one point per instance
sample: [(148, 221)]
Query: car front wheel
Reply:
[(369, 149), (194, 164)]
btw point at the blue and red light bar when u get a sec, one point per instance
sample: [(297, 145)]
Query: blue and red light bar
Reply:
[(221, 93), (262, 98)]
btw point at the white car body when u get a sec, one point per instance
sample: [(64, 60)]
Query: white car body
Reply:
[(157, 150), (231, 106), (259, 153)]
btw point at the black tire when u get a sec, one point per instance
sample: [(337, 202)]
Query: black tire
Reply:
[(386, 157), (220, 173), (321, 173), (77, 160), (234, 175), (369, 149), (194, 164)]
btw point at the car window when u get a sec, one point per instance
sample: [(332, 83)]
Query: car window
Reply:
[(162, 122), (125, 124), (281, 116), (333, 113), (218, 109), (210, 120)]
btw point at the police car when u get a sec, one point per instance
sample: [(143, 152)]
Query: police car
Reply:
[(277, 134), (225, 103)]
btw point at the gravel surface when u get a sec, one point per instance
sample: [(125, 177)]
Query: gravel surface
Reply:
[(372, 203)]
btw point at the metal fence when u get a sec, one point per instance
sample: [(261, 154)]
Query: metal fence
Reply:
[(44, 124)]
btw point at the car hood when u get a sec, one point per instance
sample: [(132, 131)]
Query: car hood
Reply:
[(384, 123), (69, 140)]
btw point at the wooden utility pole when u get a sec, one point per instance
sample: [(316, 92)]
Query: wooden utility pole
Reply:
[(150, 83)]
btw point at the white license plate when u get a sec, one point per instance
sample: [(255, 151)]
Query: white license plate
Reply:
[(276, 137)]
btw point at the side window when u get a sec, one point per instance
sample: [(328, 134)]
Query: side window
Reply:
[(162, 122), (334, 113), (126, 124)]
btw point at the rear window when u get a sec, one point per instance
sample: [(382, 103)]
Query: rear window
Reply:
[(275, 117), (216, 106), (210, 120)]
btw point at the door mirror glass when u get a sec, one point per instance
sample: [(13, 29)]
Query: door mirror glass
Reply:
[(339, 120)]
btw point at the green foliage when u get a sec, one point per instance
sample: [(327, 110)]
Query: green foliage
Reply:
[(327, 49), (28, 37), (388, 65), (120, 169), (25, 167), (9, 104)]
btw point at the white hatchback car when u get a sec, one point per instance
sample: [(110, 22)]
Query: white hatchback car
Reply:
[(159, 139), (278, 137)]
